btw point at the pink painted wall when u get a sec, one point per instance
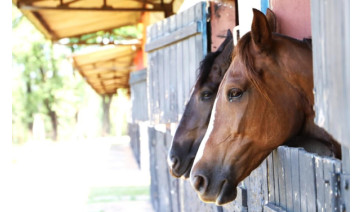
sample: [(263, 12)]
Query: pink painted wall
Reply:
[(222, 19), (293, 17)]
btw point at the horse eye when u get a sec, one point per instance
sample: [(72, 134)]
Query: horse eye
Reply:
[(206, 95), (234, 94)]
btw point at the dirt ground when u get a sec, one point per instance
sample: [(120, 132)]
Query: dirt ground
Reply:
[(93, 175)]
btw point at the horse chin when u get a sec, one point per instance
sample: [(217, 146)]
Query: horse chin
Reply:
[(185, 174), (173, 174), (227, 194)]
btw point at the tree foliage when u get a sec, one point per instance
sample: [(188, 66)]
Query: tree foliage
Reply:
[(117, 35), (41, 77), (45, 83)]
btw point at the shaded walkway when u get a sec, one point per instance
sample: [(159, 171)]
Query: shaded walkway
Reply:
[(91, 175)]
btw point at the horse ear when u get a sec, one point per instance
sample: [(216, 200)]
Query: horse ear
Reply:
[(272, 20), (229, 36), (260, 31), (226, 54)]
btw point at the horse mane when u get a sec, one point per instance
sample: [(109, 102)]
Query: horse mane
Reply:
[(254, 76), (243, 50), (205, 67), (308, 42)]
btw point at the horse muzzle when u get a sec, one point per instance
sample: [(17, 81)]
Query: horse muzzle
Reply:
[(214, 188), (178, 167)]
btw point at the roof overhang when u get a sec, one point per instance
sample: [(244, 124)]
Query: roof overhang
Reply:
[(58, 19), (107, 69)]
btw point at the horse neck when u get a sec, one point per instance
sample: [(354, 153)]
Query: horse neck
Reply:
[(299, 66)]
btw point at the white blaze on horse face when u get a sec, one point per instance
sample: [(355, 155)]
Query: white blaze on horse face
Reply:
[(210, 127)]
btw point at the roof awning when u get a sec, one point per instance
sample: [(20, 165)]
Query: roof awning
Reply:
[(58, 19), (107, 69)]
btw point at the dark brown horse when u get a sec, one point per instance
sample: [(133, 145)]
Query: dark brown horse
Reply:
[(195, 119), (265, 100)]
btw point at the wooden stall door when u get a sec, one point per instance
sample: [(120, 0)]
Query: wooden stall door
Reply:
[(330, 30), (175, 47)]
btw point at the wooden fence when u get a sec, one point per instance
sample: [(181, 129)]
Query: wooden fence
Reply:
[(290, 179), (330, 33), (139, 112), (139, 100)]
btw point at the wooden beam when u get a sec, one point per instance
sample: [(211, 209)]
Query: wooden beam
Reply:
[(70, 2), (45, 25), (101, 44), (104, 29), (119, 59), (119, 68), (156, 8)]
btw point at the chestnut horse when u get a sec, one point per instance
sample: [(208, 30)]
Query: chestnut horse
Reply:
[(264, 100), (195, 119)]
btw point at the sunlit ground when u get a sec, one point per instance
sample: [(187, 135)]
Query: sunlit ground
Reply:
[(96, 175)]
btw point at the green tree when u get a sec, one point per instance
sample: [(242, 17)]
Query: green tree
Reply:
[(44, 81), (40, 79)]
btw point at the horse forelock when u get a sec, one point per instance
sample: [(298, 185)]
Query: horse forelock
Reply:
[(205, 68), (243, 51)]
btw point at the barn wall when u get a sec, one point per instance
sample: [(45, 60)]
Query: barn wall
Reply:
[(139, 115), (331, 66), (175, 48), (290, 179), (139, 101), (293, 17), (330, 29), (222, 19), (135, 142)]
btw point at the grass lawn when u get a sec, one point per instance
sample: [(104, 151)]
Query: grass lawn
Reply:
[(118, 193)]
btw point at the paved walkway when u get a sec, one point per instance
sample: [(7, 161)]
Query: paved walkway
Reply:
[(62, 176)]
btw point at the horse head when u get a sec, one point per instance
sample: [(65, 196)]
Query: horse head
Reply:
[(195, 118)]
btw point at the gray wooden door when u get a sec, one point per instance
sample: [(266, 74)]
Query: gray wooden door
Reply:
[(175, 47), (331, 44)]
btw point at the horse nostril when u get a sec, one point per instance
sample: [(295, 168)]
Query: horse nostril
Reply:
[(174, 162), (200, 183)]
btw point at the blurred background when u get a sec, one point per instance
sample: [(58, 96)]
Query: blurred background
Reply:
[(79, 103), (70, 147), (71, 104)]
